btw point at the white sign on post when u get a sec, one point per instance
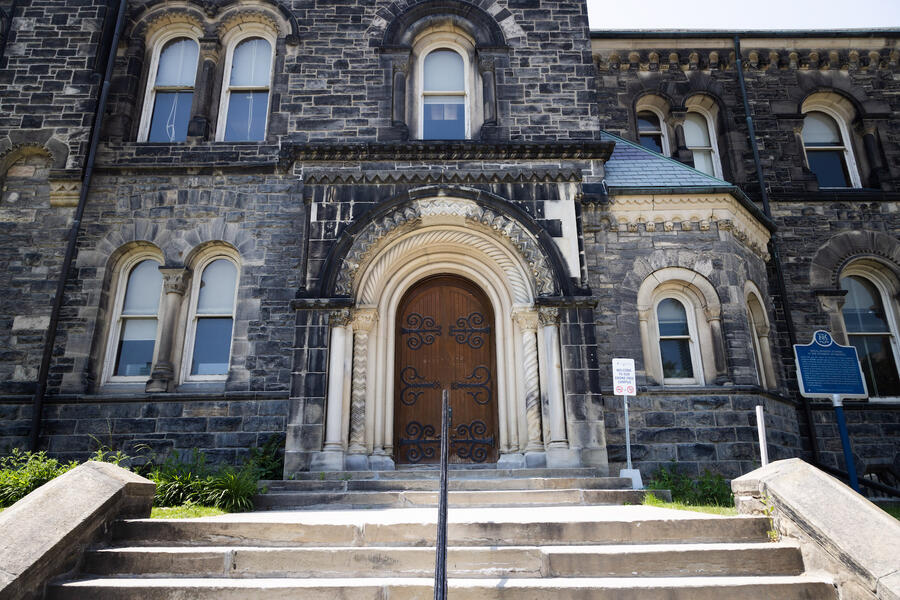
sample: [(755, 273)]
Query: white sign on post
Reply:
[(623, 376), (625, 385)]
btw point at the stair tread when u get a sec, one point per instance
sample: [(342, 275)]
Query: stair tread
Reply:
[(560, 582)]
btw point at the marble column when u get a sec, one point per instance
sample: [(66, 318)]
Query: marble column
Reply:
[(528, 323), (332, 456), (363, 321), (558, 452), (162, 375)]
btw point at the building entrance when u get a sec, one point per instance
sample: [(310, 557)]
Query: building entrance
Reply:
[(445, 340)]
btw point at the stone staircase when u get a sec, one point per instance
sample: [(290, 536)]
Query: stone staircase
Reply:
[(565, 535)]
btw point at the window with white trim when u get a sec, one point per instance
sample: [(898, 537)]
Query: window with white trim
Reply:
[(827, 140), (677, 336), (699, 139), (211, 321), (444, 97), (170, 90), (650, 132), (131, 348), (758, 322), (244, 108), (870, 319)]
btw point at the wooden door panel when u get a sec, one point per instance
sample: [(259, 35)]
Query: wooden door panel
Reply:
[(445, 340)]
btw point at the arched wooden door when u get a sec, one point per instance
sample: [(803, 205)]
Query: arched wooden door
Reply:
[(445, 340)]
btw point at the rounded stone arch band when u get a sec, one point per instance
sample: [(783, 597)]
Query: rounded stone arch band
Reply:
[(403, 29), (546, 272)]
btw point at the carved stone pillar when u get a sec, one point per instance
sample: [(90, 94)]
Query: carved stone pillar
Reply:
[(832, 303), (714, 319), (489, 89), (162, 375), (363, 321), (332, 456), (647, 351), (558, 452), (201, 107), (528, 323), (680, 152), (877, 172)]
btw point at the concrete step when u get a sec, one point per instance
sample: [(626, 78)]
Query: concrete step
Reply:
[(511, 526), (399, 499), (621, 588), (456, 472), (472, 562), (432, 484)]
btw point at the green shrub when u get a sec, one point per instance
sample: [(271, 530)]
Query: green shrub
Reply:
[(709, 489), (192, 481), (269, 458), (22, 472)]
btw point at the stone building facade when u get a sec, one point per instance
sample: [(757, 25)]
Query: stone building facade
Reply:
[(307, 219)]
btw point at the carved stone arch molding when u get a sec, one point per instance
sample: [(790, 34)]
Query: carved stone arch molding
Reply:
[(544, 269), (831, 258), (402, 22), (212, 16)]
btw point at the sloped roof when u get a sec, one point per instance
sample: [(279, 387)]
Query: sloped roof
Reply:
[(633, 166)]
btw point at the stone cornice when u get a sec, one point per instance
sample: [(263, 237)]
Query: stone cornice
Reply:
[(448, 150), (671, 212), (336, 176)]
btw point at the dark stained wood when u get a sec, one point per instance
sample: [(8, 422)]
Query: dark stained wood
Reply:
[(445, 339)]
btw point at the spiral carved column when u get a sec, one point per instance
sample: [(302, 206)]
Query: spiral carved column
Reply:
[(528, 322)]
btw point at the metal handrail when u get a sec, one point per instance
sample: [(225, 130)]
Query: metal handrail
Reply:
[(440, 559)]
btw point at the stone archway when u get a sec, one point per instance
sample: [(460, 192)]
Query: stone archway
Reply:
[(445, 237)]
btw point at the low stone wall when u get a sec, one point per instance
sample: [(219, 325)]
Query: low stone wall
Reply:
[(45, 533), (839, 531), (700, 428), (223, 426)]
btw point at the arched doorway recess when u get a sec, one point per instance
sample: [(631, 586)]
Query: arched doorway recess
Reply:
[(444, 237)]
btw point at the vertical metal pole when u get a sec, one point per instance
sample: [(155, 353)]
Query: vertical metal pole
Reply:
[(627, 435), (440, 561), (761, 431), (845, 441)]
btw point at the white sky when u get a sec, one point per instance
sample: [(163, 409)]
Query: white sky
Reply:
[(750, 14)]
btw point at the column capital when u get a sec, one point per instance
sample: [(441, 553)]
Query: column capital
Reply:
[(339, 318), (548, 315), (364, 319), (175, 279), (527, 318)]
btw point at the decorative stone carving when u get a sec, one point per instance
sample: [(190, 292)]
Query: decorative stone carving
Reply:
[(548, 315), (410, 215), (64, 192), (175, 279), (339, 318), (363, 321), (528, 322)]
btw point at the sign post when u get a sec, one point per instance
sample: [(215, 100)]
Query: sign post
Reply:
[(624, 385), (825, 369)]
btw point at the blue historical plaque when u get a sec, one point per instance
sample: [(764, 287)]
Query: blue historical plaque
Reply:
[(826, 369)]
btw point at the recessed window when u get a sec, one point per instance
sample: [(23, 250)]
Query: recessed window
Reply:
[(699, 142), (133, 338), (674, 340), (172, 91), (869, 331), (444, 96), (213, 320), (246, 98), (825, 150), (650, 134)]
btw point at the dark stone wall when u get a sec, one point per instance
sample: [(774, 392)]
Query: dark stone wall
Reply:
[(223, 427)]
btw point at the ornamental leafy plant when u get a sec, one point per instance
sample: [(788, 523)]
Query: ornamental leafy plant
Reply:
[(709, 489), (23, 472)]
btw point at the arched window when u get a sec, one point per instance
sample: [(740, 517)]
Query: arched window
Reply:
[(170, 91), (444, 96), (650, 132), (211, 321), (677, 343), (870, 322), (245, 95), (758, 321), (700, 141), (132, 340), (826, 151), (681, 331)]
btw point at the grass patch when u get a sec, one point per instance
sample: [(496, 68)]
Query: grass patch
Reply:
[(185, 511), (728, 511)]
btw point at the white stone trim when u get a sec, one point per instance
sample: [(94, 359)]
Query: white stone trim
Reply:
[(841, 110), (759, 329)]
